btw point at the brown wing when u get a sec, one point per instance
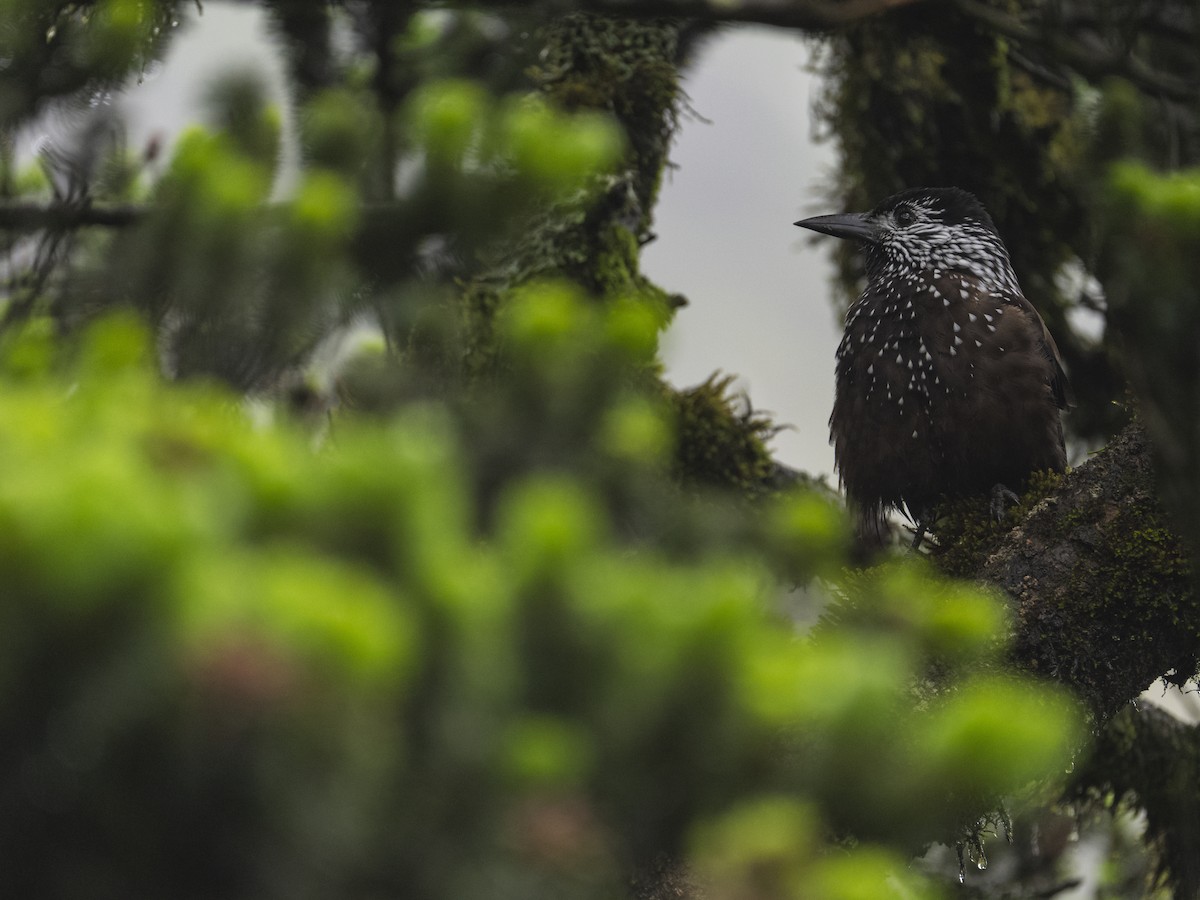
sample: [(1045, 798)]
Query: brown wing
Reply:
[(950, 389), (1001, 416), (1059, 383)]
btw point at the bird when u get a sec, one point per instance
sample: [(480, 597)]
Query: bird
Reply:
[(948, 382)]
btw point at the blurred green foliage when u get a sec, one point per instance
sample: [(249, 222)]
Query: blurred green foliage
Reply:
[(475, 606), (53, 49), (245, 666), (1156, 305)]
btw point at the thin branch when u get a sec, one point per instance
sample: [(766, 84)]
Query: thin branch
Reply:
[(814, 15), (39, 216), (31, 217)]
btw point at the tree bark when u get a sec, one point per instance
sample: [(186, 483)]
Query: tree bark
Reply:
[(1100, 587)]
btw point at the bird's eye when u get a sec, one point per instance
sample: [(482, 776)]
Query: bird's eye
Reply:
[(905, 216)]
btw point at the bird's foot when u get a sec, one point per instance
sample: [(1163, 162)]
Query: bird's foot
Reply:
[(1001, 496)]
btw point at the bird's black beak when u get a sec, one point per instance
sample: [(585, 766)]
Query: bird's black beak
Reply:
[(844, 225)]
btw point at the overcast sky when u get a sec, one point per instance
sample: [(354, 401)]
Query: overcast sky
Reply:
[(757, 287)]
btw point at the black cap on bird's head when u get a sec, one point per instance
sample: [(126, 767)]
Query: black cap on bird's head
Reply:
[(947, 206), (935, 228)]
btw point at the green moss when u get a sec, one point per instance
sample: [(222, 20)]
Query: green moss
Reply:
[(967, 533), (1143, 556), (721, 445), (627, 68), (1146, 557), (1098, 583), (624, 68), (1144, 566)]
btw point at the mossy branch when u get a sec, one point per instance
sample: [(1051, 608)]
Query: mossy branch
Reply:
[(1100, 585), (816, 15), (1083, 53)]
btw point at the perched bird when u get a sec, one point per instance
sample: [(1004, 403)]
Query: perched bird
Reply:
[(948, 382)]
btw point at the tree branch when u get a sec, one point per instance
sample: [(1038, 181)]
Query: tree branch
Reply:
[(59, 216), (28, 217), (1100, 586), (817, 15), (1084, 57)]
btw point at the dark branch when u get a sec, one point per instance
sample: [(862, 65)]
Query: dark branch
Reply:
[(38, 216), (1100, 587), (1087, 57), (816, 15), (31, 217)]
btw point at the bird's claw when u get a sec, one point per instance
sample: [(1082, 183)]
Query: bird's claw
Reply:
[(1001, 496)]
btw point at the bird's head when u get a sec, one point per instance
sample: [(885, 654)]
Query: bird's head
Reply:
[(921, 230)]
